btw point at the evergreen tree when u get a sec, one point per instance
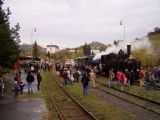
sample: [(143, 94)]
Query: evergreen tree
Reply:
[(48, 55), (9, 39), (35, 51), (87, 49)]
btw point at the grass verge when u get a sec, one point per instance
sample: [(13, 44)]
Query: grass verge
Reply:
[(102, 110), (137, 90)]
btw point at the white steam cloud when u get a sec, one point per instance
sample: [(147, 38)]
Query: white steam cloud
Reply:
[(143, 43)]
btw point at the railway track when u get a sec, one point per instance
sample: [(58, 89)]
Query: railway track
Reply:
[(137, 100), (65, 105)]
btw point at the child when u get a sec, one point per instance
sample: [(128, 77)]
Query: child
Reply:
[(21, 85), (16, 88)]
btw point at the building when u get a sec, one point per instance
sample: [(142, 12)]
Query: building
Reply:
[(95, 50), (52, 48)]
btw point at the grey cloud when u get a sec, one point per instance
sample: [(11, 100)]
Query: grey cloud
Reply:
[(80, 21)]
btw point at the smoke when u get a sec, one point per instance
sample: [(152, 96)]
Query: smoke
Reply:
[(143, 43)]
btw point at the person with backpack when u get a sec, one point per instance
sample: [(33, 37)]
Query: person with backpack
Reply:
[(85, 82), (30, 80)]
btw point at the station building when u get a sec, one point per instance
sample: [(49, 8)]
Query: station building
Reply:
[(52, 49)]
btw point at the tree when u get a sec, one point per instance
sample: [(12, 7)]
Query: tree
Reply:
[(9, 39), (48, 55), (87, 49), (35, 51), (157, 30), (115, 42)]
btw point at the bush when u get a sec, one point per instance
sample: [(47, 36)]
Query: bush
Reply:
[(147, 59)]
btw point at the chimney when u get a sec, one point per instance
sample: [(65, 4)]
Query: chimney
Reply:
[(129, 50)]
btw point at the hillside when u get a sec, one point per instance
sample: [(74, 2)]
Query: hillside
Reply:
[(97, 44), (155, 40), (27, 47)]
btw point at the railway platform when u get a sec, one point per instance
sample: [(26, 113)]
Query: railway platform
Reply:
[(21, 108)]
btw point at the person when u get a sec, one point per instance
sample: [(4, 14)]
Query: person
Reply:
[(133, 77), (17, 78), (30, 80), (78, 75), (85, 82), (65, 76), (141, 77), (111, 77), (39, 80), (16, 88), (19, 73), (21, 86), (1, 86), (128, 76), (155, 73), (68, 75), (92, 78), (122, 80), (118, 76), (149, 78)]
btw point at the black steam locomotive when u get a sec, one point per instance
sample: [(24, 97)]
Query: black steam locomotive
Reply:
[(118, 62)]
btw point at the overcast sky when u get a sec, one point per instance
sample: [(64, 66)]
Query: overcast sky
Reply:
[(70, 23)]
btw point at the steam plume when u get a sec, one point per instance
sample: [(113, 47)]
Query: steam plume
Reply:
[(143, 43)]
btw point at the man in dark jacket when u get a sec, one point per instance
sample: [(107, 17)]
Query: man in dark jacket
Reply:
[(39, 79), (30, 80), (85, 82)]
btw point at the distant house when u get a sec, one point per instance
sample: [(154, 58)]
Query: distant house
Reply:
[(95, 50), (52, 48), (72, 50)]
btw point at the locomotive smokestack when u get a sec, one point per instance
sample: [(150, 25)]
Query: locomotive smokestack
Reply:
[(129, 50)]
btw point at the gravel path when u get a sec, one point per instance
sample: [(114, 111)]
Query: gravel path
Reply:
[(137, 112)]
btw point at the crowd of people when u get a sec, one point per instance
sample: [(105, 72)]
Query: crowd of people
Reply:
[(87, 75), (79, 75), (146, 78)]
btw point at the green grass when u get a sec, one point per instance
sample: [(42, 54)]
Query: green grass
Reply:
[(48, 77), (137, 90), (100, 109)]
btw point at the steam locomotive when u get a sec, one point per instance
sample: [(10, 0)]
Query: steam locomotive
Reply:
[(118, 62)]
